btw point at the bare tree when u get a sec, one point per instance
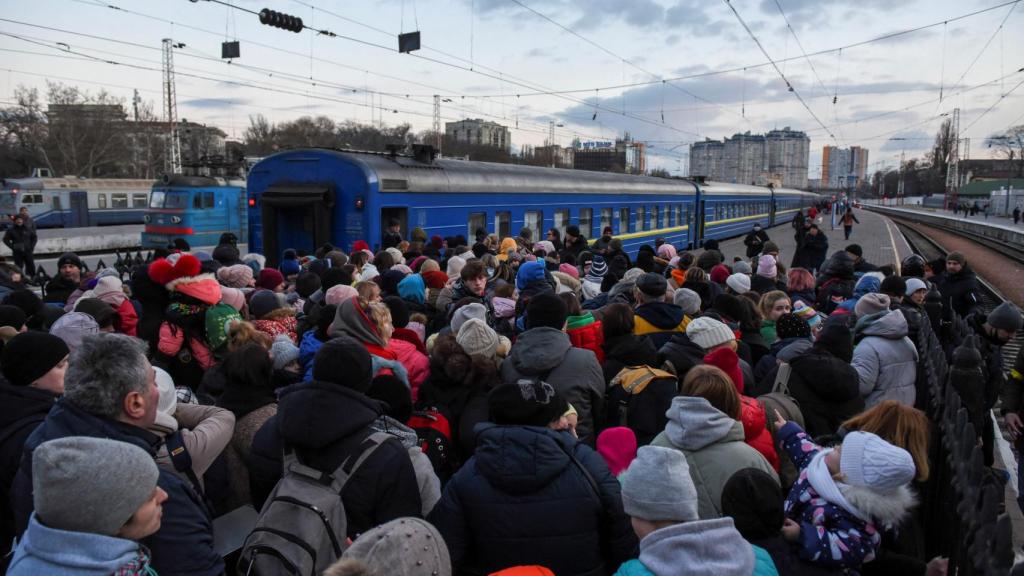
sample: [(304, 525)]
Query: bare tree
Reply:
[(944, 143), (86, 132), (1010, 145), (23, 135)]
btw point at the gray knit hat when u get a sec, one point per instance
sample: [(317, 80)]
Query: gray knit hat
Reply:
[(472, 310), (1006, 316), (708, 332), (871, 303), (867, 460), (477, 338), (688, 300), (73, 326), (403, 547), (283, 351), (92, 485), (739, 283), (657, 486), (742, 267)]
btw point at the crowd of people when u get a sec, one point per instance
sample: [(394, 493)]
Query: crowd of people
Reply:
[(501, 406)]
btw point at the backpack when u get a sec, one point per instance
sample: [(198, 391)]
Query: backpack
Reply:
[(638, 398), (780, 399), (303, 528), (434, 432)]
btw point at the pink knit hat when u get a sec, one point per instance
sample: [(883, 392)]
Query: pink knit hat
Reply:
[(618, 448), (236, 276), (339, 293), (570, 270), (766, 266), (232, 297)]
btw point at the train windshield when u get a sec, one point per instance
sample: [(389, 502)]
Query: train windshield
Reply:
[(168, 199), (7, 201), (156, 200)]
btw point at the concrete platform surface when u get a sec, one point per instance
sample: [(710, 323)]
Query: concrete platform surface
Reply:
[(59, 240)]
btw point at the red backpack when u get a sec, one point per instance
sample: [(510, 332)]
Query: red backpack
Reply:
[(435, 436)]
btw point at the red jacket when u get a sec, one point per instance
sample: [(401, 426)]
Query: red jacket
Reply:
[(752, 416), (126, 319), (588, 336)]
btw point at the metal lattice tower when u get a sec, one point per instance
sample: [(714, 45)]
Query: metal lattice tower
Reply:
[(438, 135), (172, 161)]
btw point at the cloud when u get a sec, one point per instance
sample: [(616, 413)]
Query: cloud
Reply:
[(638, 13), (214, 103), (692, 17)]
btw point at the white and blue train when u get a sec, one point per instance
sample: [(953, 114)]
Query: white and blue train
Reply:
[(77, 202), (304, 198)]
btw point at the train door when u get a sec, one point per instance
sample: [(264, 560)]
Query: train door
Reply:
[(79, 200), (698, 223), (400, 213), (296, 217)]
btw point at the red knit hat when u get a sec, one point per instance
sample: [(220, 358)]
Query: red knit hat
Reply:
[(269, 279), (726, 359), (719, 274), (360, 245)]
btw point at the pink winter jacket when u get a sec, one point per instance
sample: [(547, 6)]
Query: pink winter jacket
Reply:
[(416, 364), (172, 338)]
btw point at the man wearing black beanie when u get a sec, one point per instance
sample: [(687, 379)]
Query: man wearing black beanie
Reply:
[(328, 421)]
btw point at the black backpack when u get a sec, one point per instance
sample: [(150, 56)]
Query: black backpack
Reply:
[(638, 398)]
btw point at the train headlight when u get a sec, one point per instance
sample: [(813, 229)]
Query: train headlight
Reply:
[(175, 219)]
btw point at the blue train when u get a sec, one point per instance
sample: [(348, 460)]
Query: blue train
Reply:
[(196, 208), (304, 198), (76, 202)]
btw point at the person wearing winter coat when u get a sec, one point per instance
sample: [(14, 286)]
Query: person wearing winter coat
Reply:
[(622, 347), (656, 319), (559, 506), (835, 283), (845, 496), (766, 279), (110, 392), (471, 282), (110, 290), (703, 425), (69, 276), (959, 287), (33, 366), (313, 339), (583, 330), (884, 358), (410, 350), (790, 329), (86, 520), (363, 321), (20, 240), (824, 383), (755, 241), (993, 332), (814, 248), (544, 351), (271, 314), (385, 486), (773, 305), (659, 495)]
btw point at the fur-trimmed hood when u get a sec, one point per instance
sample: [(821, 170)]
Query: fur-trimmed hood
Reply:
[(884, 508)]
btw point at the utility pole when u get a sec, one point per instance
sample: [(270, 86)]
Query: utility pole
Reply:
[(953, 166), (437, 123), (170, 98), (899, 189)]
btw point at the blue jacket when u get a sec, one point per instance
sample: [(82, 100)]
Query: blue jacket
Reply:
[(184, 543), (520, 500), (308, 348), (44, 550)]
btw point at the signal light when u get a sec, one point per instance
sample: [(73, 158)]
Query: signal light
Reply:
[(252, 202), (280, 20)]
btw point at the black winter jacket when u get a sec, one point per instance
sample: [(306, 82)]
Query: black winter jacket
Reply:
[(59, 289), (754, 242), (326, 423), (814, 249), (682, 354), (183, 545), (24, 409), (827, 389), (960, 292), (521, 500), (627, 350)]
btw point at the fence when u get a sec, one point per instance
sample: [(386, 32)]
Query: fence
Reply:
[(963, 516)]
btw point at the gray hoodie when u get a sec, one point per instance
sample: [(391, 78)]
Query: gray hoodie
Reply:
[(885, 359), (426, 478), (714, 446), (704, 548)]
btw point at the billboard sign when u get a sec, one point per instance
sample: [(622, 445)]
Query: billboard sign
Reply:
[(597, 145)]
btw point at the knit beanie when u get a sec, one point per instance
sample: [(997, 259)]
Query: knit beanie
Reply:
[(402, 547), (739, 283), (236, 276), (70, 258), (546, 309), (570, 270), (913, 285), (658, 486), (232, 297), (956, 257), (893, 285), (688, 300), (855, 249), (345, 361), (477, 338), (867, 460), (30, 355), (464, 313), (742, 267), (307, 283), (283, 351), (12, 316), (753, 499), (289, 267), (74, 326), (339, 293), (792, 326), (269, 279), (1006, 317), (598, 267), (396, 255), (708, 332), (617, 446), (429, 265), (263, 302), (525, 403), (766, 266), (837, 339), (168, 403), (455, 266), (806, 313), (73, 488), (872, 303), (333, 277), (770, 248), (720, 274), (399, 311), (529, 272)]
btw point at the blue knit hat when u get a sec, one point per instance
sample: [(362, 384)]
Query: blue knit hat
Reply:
[(529, 272)]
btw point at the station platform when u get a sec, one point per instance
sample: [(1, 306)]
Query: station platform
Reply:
[(56, 241), (996, 227), (877, 236)]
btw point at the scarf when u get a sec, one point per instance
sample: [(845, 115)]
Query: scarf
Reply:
[(352, 320), (821, 480)]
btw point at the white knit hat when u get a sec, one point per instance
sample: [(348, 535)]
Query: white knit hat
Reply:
[(869, 461), (739, 283), (708, 332), (168, 403), (477, 338)]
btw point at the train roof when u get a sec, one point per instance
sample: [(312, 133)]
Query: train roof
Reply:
[(77, 183), (406, 174)]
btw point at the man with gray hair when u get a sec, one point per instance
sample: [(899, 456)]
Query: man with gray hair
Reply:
[(110, 392)]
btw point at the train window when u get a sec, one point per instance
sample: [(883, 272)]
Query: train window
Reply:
[(56, 203), (477, 220), (176, 200), (677, 217), (31, 198), (654, 218), (664, 216), (138, 200), (623, 220), (561, 221), (101, 200), (208, 200), (606, 218), (119, 200), (587, 221), (640, 214), (534, 220), (197, 201), (157, 200), (503, 224)]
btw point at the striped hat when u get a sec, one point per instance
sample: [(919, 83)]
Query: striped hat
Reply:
[(807, 313)]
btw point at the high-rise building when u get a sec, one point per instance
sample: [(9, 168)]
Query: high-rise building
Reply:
[(843, 167), (779, 157), (623, 155), (479, 132)]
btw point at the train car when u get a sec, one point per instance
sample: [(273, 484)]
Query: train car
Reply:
[(196, 208), (788, 201), (77, 202)]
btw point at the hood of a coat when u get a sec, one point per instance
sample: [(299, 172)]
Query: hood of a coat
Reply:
[(631, 350), (67, 552), (310, 414), (661, 314), (389, 425), (705, 547), (886, 508), (840, 265), (539, 351), (693, 424), (521, 459), (890, 324)]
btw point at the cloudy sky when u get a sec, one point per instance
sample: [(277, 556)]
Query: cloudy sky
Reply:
[(692, 70)]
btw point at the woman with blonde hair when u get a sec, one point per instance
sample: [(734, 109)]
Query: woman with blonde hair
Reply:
[(772, 306), (899, 425)]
